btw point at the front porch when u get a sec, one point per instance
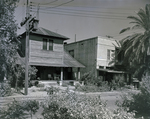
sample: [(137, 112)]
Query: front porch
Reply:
[(57, 75)]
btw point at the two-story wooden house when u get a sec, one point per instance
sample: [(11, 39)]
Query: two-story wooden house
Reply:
[(95, 54), (47, 54)]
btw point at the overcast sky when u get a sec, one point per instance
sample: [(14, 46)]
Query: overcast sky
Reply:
[(85, 18)]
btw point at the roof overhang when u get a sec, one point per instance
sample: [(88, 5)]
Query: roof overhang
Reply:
[(68, 62)]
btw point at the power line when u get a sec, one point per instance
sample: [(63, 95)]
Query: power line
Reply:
[(82, 15), (60, 4), (64, 9), (85, 14), (44, 3), (96, 7)]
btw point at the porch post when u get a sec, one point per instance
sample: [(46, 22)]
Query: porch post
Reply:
[(78, 73), (61, 76)]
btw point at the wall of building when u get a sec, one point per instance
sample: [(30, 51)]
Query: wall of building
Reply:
[(38, 55), (103, 55), (85, 53)]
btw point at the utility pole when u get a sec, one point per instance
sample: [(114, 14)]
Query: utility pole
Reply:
[(27, 49)]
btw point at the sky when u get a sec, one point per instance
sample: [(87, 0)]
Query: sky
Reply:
[(82, 19)]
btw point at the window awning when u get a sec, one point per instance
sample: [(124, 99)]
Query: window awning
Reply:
[(111, 71)]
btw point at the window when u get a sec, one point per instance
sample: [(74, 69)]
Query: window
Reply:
[(44, 44), (47, 44), (109, 54), (50, 45), (71, 52)]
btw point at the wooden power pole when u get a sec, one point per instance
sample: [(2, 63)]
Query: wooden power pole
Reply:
[(27, 48)]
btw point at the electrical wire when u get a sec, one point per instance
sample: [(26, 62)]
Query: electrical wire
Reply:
[(86, 13), (83, 15), (59, 5), (44, 3)]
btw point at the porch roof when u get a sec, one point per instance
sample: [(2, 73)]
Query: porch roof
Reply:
[(68, 62), (111, 71)]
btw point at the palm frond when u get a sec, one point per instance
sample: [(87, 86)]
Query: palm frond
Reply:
[(139, 52), (128, 50), (124, 30), (137, 26), (118, 43), (144, 19), (137, 39), (147, 10), (136, 19)]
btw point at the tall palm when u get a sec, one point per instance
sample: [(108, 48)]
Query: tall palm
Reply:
[(136, 46)]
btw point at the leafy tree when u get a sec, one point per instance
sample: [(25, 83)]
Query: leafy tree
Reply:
[(8, 46), (136, 46), (8, 37)]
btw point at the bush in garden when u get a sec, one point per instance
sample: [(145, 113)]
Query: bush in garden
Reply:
[(31, 106), (52, 90), (118, 82), (19, 110), (74, 106), (16, 79), (5, 90), (138, 102), (13, 110), (93, 84), (54, 111), (87, 78)]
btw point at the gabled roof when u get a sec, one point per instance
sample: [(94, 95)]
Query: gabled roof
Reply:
[(43, 31)]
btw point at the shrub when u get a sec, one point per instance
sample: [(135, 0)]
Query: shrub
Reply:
[(52, 90), (19, 110), (138, 102), (118, 82), (5, 90), (30, 106), (17, 77), (54, 111), (69, 105), (14, 110), (93, 84)]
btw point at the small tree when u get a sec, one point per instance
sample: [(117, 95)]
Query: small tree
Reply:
[(31, 106)]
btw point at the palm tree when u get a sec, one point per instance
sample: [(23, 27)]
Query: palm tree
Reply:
[(136, 46)]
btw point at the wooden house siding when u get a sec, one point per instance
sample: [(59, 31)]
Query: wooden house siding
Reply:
[(85, 52), (37, 54)]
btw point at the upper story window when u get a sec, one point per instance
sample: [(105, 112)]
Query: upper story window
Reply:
[(109, 54), (47, 44), (50, 45)]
